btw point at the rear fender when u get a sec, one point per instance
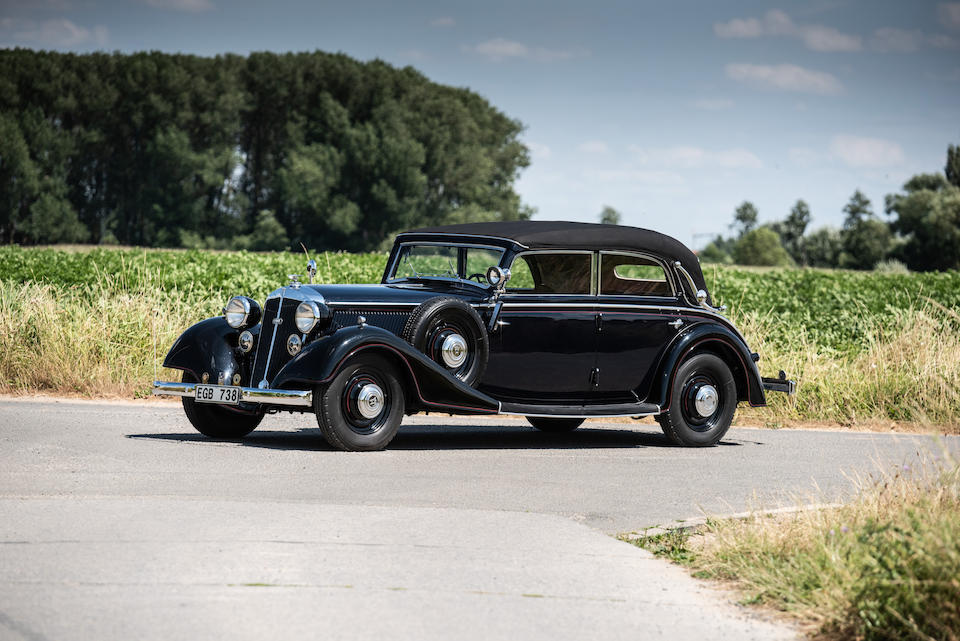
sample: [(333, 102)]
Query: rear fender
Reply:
[(715, 338), (430, 386), (209, 346)]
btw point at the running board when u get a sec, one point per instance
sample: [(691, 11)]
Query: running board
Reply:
[(580, 411)]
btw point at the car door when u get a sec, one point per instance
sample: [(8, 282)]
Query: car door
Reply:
[(544, 347), (636, 318)]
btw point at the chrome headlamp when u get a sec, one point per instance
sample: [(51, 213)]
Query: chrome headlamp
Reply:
[(307, 316), (241, 312)]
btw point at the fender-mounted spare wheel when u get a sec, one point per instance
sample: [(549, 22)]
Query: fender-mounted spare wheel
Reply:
[(450, 332)]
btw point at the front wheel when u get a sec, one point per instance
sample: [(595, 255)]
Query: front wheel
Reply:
[(703, 398), (361, 408), (219, 421)]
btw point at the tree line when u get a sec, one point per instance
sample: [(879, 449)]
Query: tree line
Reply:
[(922, 232), (261, 152)]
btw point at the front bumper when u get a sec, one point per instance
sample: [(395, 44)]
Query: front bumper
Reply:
[(285, 397)]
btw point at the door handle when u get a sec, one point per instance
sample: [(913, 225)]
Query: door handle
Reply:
[(677, 324)]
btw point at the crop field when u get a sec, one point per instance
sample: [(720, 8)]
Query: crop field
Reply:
[(863, 346)]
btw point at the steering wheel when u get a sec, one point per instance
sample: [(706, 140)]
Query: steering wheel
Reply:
[(480, 278)]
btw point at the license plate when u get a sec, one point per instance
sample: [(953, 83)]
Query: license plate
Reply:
[(218, 394)]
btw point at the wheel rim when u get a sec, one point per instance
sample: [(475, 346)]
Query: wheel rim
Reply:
[(701, 403), (365, 404), (453, 346)]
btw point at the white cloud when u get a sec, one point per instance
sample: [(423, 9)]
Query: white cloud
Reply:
[(892, 39), (500, 49), (190, 6), (594, 147), (860, 152), (785, 77), (539, 150), (776, 23), (949, 13), (713, 104), (682, 157), (56, 33), (445, 21), (898, 40)]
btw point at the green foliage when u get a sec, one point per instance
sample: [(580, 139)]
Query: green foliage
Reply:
[(761, 247), (609, 216), (823, 247), (928, 217), (952, 170), (857, 210), (157, 149), (792, 229), (744, 218), (713, 254), (865, 243)]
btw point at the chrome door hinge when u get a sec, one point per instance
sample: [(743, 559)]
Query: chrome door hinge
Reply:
[(676, 324)]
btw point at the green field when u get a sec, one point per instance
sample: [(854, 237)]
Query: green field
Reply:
[(864, 346)]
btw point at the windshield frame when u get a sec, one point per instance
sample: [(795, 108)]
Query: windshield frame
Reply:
[(394, 261)]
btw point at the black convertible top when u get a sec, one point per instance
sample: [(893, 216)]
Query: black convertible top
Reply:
[(558, 234)]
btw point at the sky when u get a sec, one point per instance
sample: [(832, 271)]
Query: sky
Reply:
[(673, 113)]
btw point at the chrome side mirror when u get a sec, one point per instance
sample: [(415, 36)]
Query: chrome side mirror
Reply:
[(311, 270)]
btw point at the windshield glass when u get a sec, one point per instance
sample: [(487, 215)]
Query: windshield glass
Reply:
[(445, 261)]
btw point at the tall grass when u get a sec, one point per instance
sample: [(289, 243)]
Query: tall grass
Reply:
[(884, 566)]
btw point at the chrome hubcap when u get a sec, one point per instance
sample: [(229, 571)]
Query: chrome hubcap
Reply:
[(706, 400), (370, 401), (454, 351)]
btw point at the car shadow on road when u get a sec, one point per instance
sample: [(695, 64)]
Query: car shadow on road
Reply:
[(453, 437)]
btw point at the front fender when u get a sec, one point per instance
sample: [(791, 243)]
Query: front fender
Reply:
[(208, 347), (717, 338), (431, 386)]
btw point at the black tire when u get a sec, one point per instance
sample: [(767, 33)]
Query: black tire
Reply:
[(555, 425), (222, 422), (438, 318), (682, 423), (338, 408)]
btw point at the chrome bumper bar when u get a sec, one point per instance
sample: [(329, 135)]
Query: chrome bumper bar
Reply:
[(294, 397)]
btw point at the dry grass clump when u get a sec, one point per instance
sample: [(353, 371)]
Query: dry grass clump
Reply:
[(884, 566), (909, 373), (90, 341)]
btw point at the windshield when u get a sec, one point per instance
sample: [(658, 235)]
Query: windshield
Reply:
[(445, 261)]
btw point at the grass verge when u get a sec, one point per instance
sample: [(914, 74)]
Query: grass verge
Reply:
[(884, 566)]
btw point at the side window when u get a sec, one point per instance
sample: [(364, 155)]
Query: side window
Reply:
[(551, 273), (621, 274)]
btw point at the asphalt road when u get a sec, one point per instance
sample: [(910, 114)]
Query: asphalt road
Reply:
[(117, 521)]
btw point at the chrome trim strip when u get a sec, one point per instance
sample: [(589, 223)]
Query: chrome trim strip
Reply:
[(295, 398), (584, 415), (273, 339)]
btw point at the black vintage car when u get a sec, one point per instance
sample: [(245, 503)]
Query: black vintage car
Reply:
[(554, 321)]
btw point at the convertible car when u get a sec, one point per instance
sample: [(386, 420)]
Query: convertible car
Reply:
[(554, 321)]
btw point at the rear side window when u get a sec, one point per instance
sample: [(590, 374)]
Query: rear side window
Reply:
[(550, 273), (623, 274)]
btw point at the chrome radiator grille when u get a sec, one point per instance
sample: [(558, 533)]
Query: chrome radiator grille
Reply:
[(267, 364)]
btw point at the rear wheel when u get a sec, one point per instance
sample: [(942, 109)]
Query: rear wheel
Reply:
[(545, 424), (361, 408), (219, 421), (703, 399)]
